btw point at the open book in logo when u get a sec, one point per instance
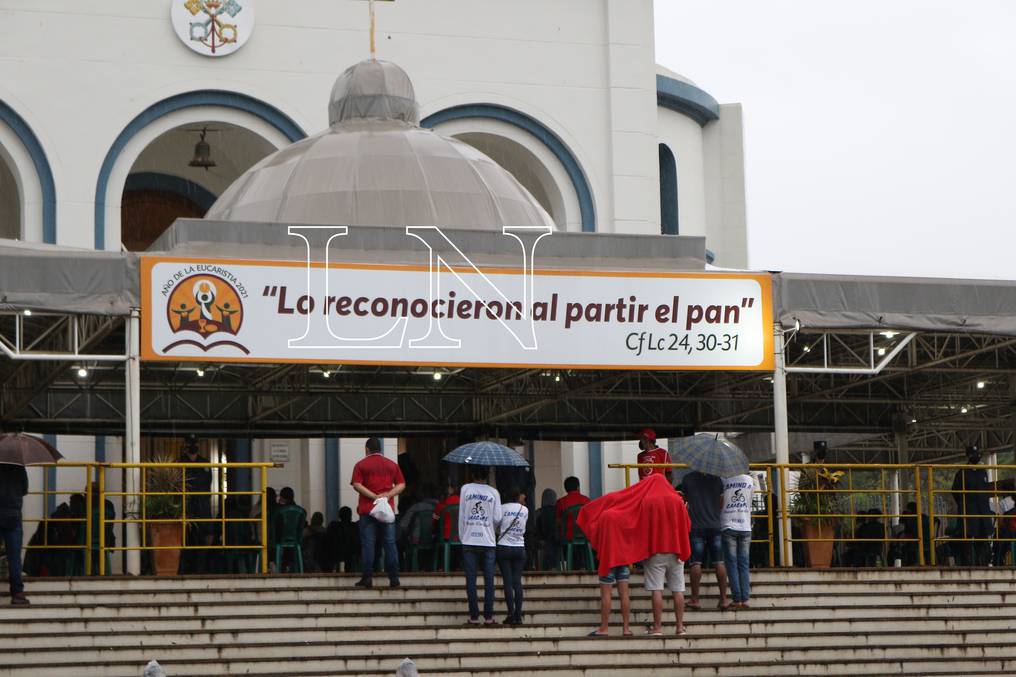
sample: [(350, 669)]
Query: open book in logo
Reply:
[(207, 311)]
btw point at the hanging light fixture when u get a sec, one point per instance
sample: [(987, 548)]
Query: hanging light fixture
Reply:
[(202, 152)]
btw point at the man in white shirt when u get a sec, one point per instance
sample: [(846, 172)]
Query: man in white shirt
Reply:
[(735, 523), (479, 511)]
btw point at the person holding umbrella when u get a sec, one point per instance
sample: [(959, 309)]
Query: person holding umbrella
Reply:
[(479, 511), (15, 452)]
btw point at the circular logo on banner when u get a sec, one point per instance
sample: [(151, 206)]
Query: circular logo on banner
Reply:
[(208, 306), (213, 27)]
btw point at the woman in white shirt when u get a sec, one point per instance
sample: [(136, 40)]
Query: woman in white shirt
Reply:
[(511, 550), (479, 513), (735, 523)]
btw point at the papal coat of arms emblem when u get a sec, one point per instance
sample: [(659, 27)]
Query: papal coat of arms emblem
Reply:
[(213, 27)]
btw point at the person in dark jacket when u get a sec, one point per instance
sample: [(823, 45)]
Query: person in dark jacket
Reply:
[(13, 487), (967, 487), (198, 480)]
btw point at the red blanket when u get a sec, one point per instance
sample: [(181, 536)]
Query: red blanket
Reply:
[(630, 525)]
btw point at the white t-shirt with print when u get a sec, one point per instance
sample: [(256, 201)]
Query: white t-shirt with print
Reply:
[(737, 498), (512, 532), (479, 511)]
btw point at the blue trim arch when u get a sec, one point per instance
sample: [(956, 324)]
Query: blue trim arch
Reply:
[(211, 97), (42, 169), (686, 99), (548, 138), (168, 183)]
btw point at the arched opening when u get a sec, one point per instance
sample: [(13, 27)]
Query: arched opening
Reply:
[(165, 184), (668, 192), (527, 169), (10, 201)]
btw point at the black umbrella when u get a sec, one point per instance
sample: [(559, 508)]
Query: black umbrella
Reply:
[(22, 449)]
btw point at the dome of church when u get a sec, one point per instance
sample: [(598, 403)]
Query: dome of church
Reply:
[(375, 166)]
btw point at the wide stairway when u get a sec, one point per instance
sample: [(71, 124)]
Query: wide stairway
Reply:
[(803, 622)]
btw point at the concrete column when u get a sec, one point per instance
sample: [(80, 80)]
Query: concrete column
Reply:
[(781, 435), (238, 450), (634, 161), (596, 470), (132, 439)]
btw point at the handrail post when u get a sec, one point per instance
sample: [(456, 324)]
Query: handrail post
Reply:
[(931, 514), (769, 515), (264, 520), (102, 520), (920, 516), (786, 553), (627, 476), (88, 521)]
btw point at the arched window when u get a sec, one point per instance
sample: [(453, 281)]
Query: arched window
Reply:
[(10, 202), (668, 192)]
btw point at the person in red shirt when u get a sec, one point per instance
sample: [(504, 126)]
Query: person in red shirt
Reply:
[(572, 498), (451, 498), (376, 477), (652, 454)]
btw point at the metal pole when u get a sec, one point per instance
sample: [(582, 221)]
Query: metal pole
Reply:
[(132, 439), (781, 434)]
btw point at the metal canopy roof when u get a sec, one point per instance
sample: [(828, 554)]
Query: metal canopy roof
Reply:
[(951, 383)]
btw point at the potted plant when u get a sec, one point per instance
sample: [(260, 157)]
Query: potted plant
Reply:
[(812, 502), (167, 504)]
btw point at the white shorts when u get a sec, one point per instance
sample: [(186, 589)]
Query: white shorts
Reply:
[(664, 567)]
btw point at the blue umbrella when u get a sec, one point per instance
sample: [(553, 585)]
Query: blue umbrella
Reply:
[(486, 453), (711, 455)]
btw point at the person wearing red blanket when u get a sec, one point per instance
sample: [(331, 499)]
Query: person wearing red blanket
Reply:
[(646, 519)]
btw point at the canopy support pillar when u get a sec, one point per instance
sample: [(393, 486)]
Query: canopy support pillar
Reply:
[(781, 438), (132, 440)]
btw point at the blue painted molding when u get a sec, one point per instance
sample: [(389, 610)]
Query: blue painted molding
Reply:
[(42, 169), (223, 99), (177, 185), (51, 479), (669, 224), (686, 99), (332, 469), (595, 469), (238, 450), (100, 448), (533, 126)]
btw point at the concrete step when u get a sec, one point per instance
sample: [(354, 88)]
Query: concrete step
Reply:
[(773, 633), (676, 654), (783, 576), (284, 644), (399, 605), (410, 591)]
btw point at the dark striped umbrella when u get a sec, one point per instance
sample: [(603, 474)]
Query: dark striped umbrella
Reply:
[(486, 453)]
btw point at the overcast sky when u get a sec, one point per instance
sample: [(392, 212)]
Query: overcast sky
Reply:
[(878, 134)]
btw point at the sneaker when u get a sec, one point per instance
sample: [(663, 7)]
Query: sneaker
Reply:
[(394, 584), (19, 599), (364, 583), (509, 620)]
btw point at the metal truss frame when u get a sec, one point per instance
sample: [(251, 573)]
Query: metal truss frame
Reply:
[(938, 391)]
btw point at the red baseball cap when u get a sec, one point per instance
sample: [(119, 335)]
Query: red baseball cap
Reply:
[(649, 434)]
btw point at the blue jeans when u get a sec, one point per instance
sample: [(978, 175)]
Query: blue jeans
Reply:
[(473, 555), (369, 528), (511, 561), (13, 539), (736, 549)]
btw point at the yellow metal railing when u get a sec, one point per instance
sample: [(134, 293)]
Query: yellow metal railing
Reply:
[(842, 497), (95, 495)]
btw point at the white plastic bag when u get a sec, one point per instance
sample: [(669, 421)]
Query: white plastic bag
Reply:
[(382, 511)]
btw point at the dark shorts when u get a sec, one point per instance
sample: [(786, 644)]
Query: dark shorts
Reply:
[(702, 539), (619, 574)]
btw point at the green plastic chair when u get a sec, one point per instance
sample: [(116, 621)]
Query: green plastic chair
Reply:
[(578, 539), (421, 538), (444, 547), (289, 519)]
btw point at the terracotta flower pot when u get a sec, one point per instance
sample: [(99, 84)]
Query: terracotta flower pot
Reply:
[(166, 534), (818, 554)]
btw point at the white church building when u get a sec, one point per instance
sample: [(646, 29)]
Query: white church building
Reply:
[(118, 118)]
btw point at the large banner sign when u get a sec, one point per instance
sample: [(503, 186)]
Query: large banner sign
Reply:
[(253, 311)]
